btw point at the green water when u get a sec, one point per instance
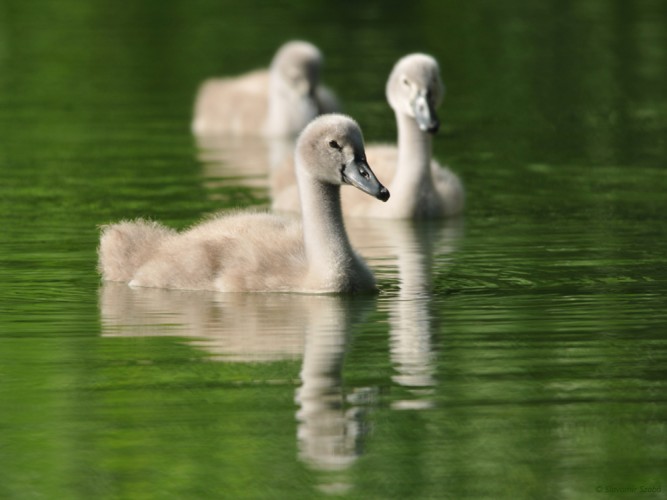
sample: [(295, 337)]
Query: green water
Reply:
[(518, 353)]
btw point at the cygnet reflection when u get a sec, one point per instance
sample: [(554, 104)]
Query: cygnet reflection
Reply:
[(229, 327), (237, 327), (330, 430), (255, 162), (408, 251)]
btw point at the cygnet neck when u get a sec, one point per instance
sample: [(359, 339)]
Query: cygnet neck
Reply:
[(288, 111), (413, 174), (328, 248)]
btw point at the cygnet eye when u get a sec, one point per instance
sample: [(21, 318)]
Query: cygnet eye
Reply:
[(334, 145), (405, 81)]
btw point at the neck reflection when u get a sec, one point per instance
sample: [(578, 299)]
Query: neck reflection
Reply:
[(411, 248), (263, 328)]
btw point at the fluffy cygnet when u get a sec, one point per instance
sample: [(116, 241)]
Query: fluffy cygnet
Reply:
[(278, 102), (420, 186), (260, 252)]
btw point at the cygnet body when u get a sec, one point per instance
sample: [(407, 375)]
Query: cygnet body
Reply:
[(260, 252), (421, 188), (278, 102)]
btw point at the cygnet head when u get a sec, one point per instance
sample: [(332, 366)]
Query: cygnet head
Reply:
[(331, 150), (415, 89), (296, 66)]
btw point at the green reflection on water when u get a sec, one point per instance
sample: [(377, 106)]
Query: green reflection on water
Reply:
[(539, 367)]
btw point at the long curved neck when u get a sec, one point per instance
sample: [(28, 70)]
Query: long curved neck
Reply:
[(288, 111), (328, 248), (413, 173)]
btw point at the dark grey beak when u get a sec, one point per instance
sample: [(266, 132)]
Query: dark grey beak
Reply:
[(358, 174), (425, 114)]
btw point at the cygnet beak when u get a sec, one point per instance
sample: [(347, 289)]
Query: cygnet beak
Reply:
[(359, 174), (425, 114)]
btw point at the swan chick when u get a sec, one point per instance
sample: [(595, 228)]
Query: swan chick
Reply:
[(278, 102), (261, 252), (421, 188)]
